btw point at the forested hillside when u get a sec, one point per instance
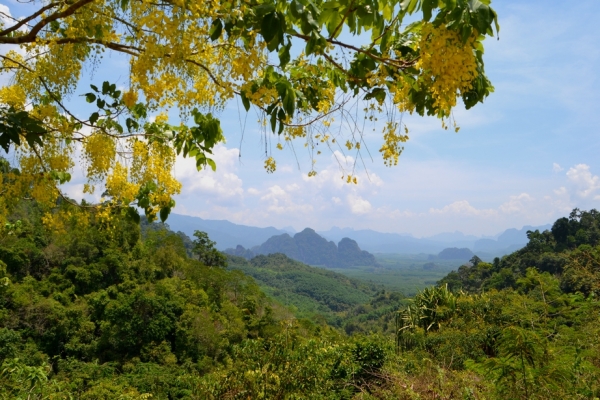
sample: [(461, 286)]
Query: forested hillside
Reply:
[(101, 308), (308, 289)]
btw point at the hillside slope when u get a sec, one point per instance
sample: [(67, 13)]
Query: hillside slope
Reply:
[(309, 290)]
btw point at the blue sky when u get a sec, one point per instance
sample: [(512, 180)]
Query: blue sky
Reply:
[(526, 157)]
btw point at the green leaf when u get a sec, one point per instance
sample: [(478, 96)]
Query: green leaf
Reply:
[(289, 102), (164, 213), (90, 97), (284, 54), (428, 6), (273, 121), (269, 26), (216, 29), (94, 87), (62, 177), (264, 9), (377, 93), (100, 103), (409, 5), (383, 45), (138, 111), (105, 87), (245, 100), (310, 45), (212, 164), (133, 214), (94, 117)]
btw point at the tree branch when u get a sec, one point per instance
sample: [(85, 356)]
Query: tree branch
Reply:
[(387, 61), (337, 28), (26, 20), (32, 35)]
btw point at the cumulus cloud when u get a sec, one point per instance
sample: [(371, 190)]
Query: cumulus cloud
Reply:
[(339, 166), (358, 205), (279, 201), (462, 207), (582, 179), (222, 185), (516, 204)]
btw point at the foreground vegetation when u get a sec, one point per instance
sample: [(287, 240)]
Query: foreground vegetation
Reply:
[(105, 311)]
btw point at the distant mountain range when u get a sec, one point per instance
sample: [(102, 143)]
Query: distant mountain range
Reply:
[(228, 235), (377, 242), (310, 248)]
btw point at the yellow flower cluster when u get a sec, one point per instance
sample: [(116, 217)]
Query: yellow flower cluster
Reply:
[(13, 96), (351, 179), (294, 132), (130, 97), (119, 186), (55, 223), (58, 222), (270, 165), (263, 96), (44, 111), (153, 162), (449, 66), (99, 151), (35, 167), (391, 148), (400, 96)]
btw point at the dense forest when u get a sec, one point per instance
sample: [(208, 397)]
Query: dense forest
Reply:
[(97, 308)]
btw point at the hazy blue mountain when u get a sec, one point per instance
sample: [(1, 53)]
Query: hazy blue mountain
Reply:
[(226, 234), (454, 253), (508, 241), (289, 229), (240, 251), (377, 242), (455, 236), (311, 248), (314, 249), (284, 244), (349, 254)]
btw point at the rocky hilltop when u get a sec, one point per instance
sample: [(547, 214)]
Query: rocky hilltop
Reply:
[(311, 248)]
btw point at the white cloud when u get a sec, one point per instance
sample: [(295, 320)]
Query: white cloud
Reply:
[(516, 204), (556, 167), (582, 179), (280, 202), (561, 191), (358, 205), (462, 207), (222, 185), (332, 176)]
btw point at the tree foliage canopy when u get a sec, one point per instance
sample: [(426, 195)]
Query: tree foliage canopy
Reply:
[(296, 62), (121, 310)]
